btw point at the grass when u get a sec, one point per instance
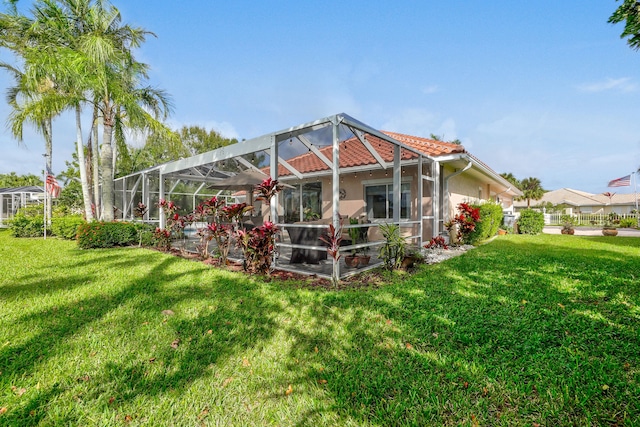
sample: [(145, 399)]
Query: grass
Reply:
[(539, 330)]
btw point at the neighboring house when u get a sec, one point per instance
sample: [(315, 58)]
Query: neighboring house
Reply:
[(575, 201), (12, 199)]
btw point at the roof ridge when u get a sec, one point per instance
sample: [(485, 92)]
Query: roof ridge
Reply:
[(420, 139)]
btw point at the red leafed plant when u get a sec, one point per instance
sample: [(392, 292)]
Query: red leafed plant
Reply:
[(267, 189), (465, 220), (222, 234), (257, 246), (333, 239), (175, 223), (236, 211), (437, 242)]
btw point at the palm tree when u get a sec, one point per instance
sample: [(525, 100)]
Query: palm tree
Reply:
[(531, 189), (114, 86), (31, 98), (511, 178), (86, 55)]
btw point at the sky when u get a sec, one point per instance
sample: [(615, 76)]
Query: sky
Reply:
[(544, 89)]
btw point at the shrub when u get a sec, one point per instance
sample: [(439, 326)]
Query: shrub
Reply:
[(28, 222), (628, 223), (490, 220), (145, 234), (437, 242), (465, 221), (257, 246), (393, 250), (66, 226), (530, 222), (106, 234)]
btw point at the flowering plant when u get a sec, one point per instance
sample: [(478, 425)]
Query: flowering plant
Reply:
[(465, 220)]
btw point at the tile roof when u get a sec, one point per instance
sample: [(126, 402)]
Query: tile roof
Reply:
[(353, 153), (428, 146)]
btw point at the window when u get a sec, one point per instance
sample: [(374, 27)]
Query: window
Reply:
[(379, 199), (303, 202)]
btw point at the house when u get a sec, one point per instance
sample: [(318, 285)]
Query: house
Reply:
[(581, 202), (12, 199), (335, 168), (366, 192)]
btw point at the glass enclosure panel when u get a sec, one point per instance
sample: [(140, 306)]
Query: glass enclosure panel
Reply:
[(379, 200), (312, 201), (291, 200), (303, 202), (376, 198)]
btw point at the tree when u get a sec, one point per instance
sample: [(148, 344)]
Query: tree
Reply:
[(118, 95), (161, 148), (511, 178), (86, 54), (33, 98), (11, 180), (531, 189), (629, 12)]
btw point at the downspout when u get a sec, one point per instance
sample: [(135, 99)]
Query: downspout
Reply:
[(446, 190)]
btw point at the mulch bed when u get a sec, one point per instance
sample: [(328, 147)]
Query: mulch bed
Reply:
[(370, 279)]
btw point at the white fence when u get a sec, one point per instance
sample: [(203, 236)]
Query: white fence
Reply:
[(588, 219)]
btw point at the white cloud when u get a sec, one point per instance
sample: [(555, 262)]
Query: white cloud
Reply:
[(623, 84), (427, 90)]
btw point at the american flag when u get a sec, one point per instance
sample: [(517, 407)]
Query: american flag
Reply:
[(625, 181), (51, 184)]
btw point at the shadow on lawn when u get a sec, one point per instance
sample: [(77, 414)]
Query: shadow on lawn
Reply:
[(509, 333), (148, 295), (494, 337), (41, 282)]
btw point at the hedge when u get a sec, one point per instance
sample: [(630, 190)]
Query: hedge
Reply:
[(106, 234), (530, 222), (28, 222), (490, 220), (66, 226)]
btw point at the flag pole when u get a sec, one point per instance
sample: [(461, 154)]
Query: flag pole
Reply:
[(635, 189), (635, 194), (44, 216)]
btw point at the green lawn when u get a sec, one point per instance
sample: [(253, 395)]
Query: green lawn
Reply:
[(521, 331)]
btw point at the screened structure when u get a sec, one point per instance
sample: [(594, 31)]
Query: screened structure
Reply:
[(336, 170), (12, 199)]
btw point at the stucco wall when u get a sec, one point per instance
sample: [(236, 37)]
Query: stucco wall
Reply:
[(465, 188)]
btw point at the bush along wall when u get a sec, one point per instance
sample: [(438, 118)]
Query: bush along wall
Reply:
[(530, 222), (106, 234), (66, 226), (490, 220)]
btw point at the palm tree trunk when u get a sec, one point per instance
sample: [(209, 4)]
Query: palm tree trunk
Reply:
[(106, 164), (95, 165), (86, 192)]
